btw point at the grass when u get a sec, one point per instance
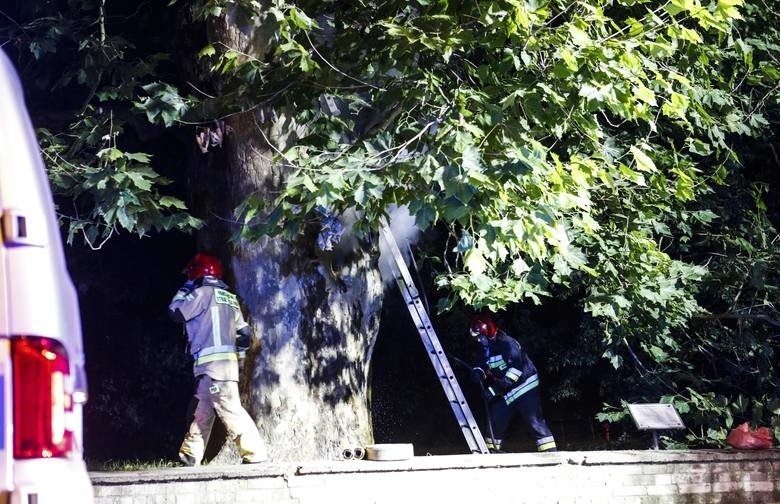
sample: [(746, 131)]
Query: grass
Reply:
[(130, 465)]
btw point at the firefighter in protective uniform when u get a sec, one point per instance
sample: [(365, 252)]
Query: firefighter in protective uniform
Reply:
[(510, 384), (216, 334)]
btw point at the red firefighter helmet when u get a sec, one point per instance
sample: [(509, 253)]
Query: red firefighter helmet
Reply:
[(482, 325), (202, 265)]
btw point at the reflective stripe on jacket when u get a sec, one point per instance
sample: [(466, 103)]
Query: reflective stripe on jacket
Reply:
[(530, 383)]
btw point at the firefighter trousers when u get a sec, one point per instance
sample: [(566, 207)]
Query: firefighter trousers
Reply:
[(221, 399), (529, 408)]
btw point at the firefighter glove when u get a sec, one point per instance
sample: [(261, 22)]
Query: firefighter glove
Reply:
[(244, 338), (478, 375), (502, 384), (243, 342)]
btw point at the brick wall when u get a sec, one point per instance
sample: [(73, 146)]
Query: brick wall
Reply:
[(701, 476)]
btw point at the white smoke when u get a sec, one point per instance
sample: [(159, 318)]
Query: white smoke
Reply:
[(349, 242), (406, 233)]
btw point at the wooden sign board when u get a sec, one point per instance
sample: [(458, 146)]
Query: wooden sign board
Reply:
[(655, 416)]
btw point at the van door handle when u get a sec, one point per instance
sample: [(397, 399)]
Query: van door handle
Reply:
[(21, 228)]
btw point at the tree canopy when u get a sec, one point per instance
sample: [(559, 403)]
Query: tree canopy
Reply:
[(605, 152)]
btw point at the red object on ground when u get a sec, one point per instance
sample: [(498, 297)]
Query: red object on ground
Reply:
[(742, 438)]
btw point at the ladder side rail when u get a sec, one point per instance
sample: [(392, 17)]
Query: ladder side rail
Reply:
[(434, 348), (441, 366), (424, 326), (435, 351), (419, 315), (398, 260), (414, 304), (452, 391), (438, 366)]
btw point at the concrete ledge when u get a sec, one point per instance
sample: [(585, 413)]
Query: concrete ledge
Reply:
[(566, 477)]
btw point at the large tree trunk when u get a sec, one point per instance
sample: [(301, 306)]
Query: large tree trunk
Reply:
[(317, 318), (309, 385)]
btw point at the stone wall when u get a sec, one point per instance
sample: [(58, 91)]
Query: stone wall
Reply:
[(701, 476)]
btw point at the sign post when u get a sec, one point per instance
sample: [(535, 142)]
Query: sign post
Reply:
[(655, 417)]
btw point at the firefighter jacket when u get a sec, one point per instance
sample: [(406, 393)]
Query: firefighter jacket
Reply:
[(213, 319), (509, 371)]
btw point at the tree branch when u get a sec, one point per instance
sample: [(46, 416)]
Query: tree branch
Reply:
[(736, 316)]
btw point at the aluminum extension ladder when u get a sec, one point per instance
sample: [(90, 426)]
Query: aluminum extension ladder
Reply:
[(441, 365)]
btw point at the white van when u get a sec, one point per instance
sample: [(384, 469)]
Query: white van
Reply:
[(42, 380)]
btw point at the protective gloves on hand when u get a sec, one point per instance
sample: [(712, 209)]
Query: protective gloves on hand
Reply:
[(502, 384), (477, 375)]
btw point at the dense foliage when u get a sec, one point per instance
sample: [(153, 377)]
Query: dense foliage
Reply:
[(87, 84), (595, 151)]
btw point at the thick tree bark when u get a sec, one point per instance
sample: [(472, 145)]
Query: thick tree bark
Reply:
[(317, 317)]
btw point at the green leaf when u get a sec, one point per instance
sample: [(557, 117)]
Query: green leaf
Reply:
[(309, 183), (569, 59), (208, 50), (676, 106), (475, 262), (168, 201), (140, 181), (301, 20), (578, 36), (641, 92), (110, 154), (636, 178), (471, 160), (141, 157), (643, 161)]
